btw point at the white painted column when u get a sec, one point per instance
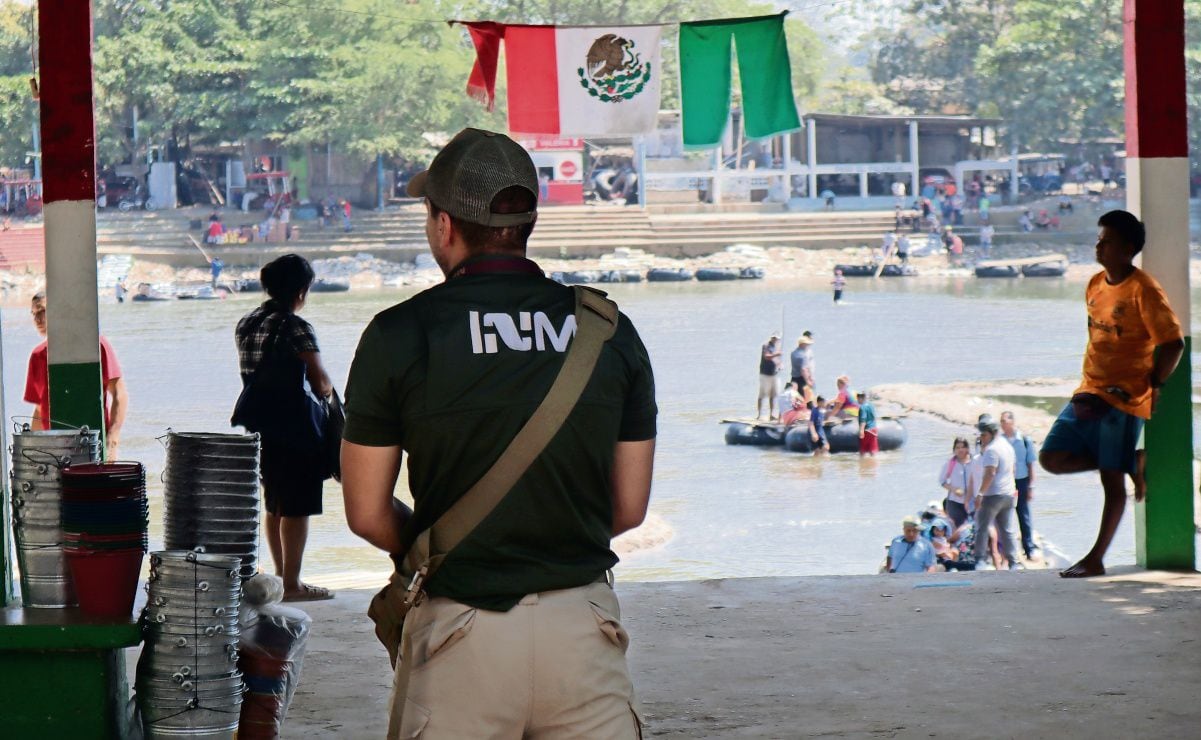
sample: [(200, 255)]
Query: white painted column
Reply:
[(862, 184), (913, 157), (715, 188), (640, 159), (786, 155), (811, 155), (1015, 173)]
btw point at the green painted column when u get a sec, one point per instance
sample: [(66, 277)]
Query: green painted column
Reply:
[(1157, 191), (1165, 536)]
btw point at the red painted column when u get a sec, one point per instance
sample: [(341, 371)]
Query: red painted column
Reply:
[(1157, 192), (69, 185)]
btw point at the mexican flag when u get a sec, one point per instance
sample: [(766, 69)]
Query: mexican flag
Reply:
[(768, 106), (572, 80)]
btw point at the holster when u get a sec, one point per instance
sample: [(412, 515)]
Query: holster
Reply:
[(404, 590)]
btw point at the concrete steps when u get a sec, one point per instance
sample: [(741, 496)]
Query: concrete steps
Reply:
[(580, 231)]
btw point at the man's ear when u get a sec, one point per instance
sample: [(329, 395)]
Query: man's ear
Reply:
[(446, 229)]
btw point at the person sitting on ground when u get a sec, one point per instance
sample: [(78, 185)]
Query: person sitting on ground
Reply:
[(790, 407), (1043, 221), (963, 541), (817, 426), (1025, 221), (955, 480), (939, 533), (216, 232), (1065, 203), (845, 406), (869, 432), (911, 553)]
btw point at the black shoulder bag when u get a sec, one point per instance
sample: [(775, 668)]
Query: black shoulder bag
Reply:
[(277, 399)]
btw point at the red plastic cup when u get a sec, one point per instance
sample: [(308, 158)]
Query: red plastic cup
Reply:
[(106, 582)]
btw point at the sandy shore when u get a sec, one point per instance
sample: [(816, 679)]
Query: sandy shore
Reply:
[(944, 655), (962, 403)]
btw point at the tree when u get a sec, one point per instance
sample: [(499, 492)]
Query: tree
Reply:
[(1055, 73), (17, 108)]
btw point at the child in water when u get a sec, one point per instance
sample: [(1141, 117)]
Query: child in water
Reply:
[(839, 282)]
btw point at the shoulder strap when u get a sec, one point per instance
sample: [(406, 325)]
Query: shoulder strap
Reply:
[(596, 322)]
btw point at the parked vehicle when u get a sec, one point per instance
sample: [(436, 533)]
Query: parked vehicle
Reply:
[(139, 198)]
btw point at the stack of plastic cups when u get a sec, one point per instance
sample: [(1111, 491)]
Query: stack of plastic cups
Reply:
[(38, 460), (105, 516), (212, 495), (188, 682)]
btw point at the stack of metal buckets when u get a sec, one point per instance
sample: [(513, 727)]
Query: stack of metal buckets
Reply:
[(38, 458), (212, 495), (188, 682)]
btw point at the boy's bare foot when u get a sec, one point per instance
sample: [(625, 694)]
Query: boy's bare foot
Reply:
[(1139, 478), (1086, 568)]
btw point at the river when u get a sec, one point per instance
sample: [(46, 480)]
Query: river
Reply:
[(732, 511)]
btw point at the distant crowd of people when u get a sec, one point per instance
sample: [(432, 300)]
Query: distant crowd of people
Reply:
[(985, 487)]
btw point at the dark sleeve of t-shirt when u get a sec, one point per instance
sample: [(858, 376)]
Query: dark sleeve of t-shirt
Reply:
[(372, 405), (639, 412)]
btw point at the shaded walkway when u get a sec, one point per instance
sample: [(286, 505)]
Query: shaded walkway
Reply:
[(995, 655)]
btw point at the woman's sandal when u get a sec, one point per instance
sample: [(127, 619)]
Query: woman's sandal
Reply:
[(309, 593)]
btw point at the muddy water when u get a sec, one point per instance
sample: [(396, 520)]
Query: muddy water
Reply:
[(732, 511)]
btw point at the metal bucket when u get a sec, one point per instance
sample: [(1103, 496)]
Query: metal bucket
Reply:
[(32, 533), (46, 562), (42, 592), (208, 666)]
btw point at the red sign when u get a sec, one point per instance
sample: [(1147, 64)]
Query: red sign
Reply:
[(568, 169)]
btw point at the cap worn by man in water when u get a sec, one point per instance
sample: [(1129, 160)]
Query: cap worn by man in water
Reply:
[(805, 340), (471, 170), (910, 521)]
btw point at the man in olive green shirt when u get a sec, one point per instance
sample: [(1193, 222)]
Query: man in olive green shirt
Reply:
[(450, 376)]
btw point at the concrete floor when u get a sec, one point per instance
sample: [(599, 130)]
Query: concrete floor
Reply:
[(977, 655)]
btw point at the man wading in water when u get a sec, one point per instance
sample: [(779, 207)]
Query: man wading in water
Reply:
[(1134, 344)]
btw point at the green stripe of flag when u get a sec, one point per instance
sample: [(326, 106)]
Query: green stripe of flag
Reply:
[(768, 106)]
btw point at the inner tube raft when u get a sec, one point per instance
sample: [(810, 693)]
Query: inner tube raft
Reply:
[(758, 435), (996, 271), (752, 273), (329, 286), (1045, 270), (667, 275), (620, 276), (868, 270), (844, 436), (716, 273)]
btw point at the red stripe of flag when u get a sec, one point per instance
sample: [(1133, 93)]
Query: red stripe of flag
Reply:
[(533, 77), (68, 128), (1156, 114)]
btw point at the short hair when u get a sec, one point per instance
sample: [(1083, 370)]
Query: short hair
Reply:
[(1128, 228), (38, 296), (286, 278), (1006, 415), (821, 399), (860, 394), (479, 238)]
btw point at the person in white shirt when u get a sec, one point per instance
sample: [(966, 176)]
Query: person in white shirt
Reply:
[(996, 495)]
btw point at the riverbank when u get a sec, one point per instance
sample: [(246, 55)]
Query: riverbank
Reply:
[(367, 272), (858, 657), (1034, 401)]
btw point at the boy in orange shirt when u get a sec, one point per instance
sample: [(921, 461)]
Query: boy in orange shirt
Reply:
[(1134, 345)]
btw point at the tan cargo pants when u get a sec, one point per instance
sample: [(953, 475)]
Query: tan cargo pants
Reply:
[(551, 668)]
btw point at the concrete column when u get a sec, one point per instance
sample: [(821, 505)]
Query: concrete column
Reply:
[(37, 150), (380, 182), (69, 168), (786, 155), (640, 163), (1157, 191), (913, 157), (811, 155), (715, 188), (1015, 173), (862, 184)]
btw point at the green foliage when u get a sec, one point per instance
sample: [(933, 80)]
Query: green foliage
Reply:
[(16, 67), (1052, 69)]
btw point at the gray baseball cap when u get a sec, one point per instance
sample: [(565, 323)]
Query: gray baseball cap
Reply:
[(470, 171)]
